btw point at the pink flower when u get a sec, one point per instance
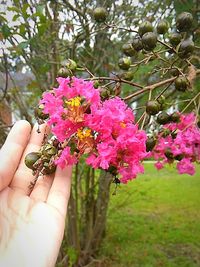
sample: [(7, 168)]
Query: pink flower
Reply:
[(119, 142), (76, 113), (185, 145), (185, 166), (67, 105), (159, 165), (65, 158)]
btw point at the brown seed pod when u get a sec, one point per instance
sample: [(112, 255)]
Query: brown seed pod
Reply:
[(31, 159), (152, 107)]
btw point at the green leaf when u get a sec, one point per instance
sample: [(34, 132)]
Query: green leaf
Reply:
[(39, 9), (15, 17), (42, 28), (24, 10), (13, 8), (5, 31), (2, 19), (22, 29), (23, 45)]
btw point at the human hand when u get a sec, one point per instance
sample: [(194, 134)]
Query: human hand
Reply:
[(31, 224)]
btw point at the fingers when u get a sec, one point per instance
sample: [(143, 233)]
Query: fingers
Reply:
[(60, 190), (12, 150), (41, 188), (23, 175)]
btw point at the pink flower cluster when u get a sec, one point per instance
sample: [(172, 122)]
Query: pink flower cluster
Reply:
[(105, 131), (119, 142), (182, 145), (64, 123)]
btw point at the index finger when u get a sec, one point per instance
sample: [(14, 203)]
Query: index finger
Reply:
[(59, 193), (12, 150)]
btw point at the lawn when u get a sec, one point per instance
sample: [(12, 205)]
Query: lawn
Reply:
[(154, 221)]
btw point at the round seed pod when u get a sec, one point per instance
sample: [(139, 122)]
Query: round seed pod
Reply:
[(152, 107), (64, 72), (175, 39), (179, 157), (128, 50), (186, 48), (144, 27), (100, 14), (184, 21), (150, 144), (168, 153), (162, 27), (175, 117), (149, 41), (39, 112), (163, 118), (181, 83), (69, 64), (137, 44), (124, 63), (31, 159)]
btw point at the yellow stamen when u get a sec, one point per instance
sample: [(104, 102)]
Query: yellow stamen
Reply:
[(123, 125), (74, 102), (83, 133)]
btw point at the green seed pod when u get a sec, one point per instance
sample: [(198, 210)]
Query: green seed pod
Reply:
[(144, 27), (174, 134), (149, 41), (163, 118), (105, 94), (69, 64), (175, 117), (49, 150), (100, 14), (150, 143), (96, 84), (184, 21), (186, 48), (128, 75), (128, 50), (31, 159), (137, 44), (168, 153), (179, 157), (181, 83), (64, 72), (124, 63), (39, 112), (162, 27), (175, 39), (152, 107)]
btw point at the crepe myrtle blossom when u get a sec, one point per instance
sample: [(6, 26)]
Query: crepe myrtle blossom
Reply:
[(183, 144), (104, 131), (119, 142), (68, 104)]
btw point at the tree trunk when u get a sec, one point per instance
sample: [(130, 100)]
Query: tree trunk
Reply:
[(87, 214)]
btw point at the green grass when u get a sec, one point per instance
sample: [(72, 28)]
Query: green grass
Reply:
[(154, 221)]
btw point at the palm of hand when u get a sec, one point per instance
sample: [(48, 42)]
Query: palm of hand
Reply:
[(26, 224), (32, 224)]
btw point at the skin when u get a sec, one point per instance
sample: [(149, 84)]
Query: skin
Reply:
[(31, 223)]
